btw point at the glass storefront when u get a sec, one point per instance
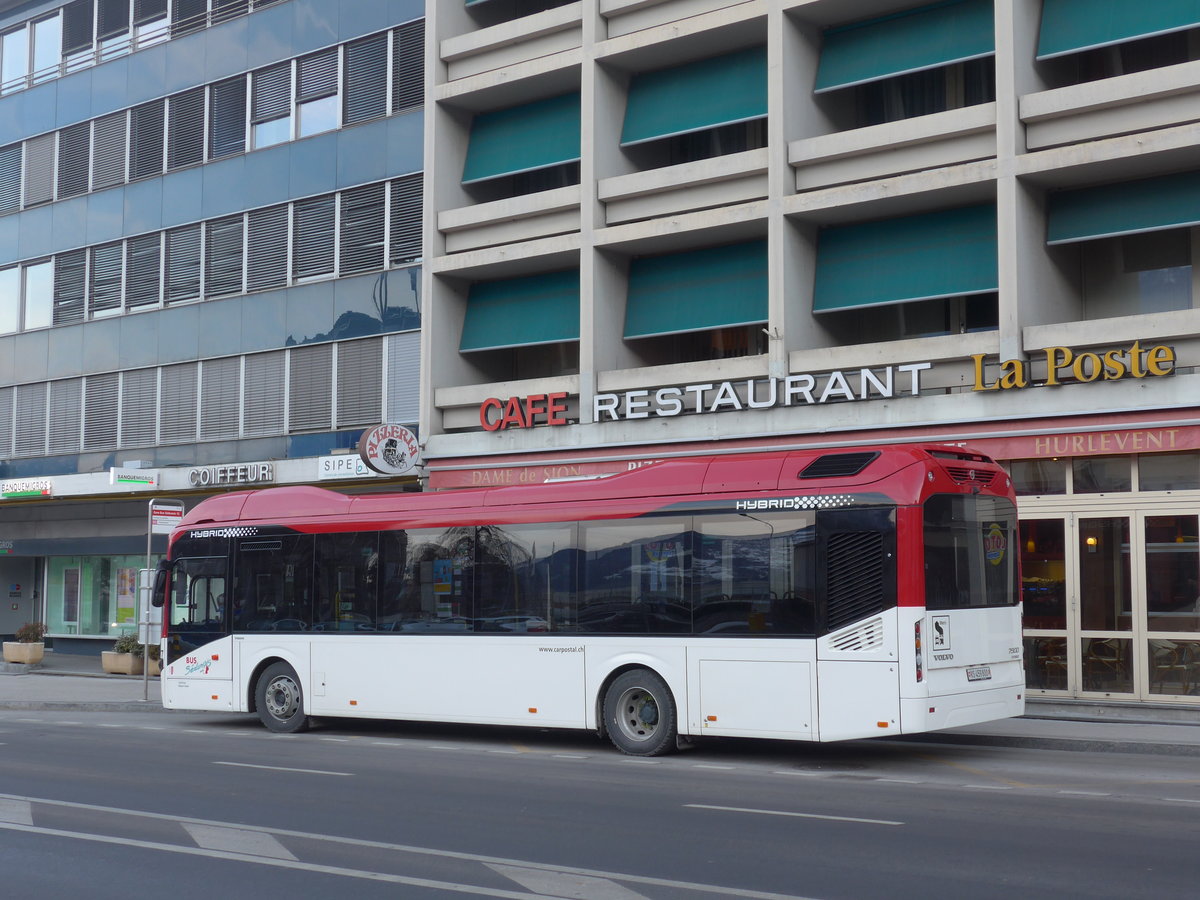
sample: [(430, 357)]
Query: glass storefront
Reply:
[(92, 595), (1110, 567)]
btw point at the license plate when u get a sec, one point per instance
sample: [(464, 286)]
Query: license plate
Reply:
[(979, 673)]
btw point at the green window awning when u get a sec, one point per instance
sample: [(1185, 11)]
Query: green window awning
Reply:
[(949, 253), (699, 290), (522, 312), (1151, 204), (523, 138), (1069, 26), (917, 39), (696, 96)]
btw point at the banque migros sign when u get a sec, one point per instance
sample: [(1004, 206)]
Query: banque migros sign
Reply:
[(1064, 365)]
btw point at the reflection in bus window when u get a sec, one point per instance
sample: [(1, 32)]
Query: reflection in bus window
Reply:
[(346, 572), (272, 585), (633, 577)]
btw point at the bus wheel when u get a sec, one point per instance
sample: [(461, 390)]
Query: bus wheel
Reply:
[(640, 714), (279, 699)]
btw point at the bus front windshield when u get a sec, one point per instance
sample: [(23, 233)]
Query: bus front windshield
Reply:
[(970, 558)]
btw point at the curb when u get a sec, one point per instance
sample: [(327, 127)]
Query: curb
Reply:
[(1077, 745), (85, 705)]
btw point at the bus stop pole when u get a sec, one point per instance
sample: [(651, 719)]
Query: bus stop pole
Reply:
[(144, 603)]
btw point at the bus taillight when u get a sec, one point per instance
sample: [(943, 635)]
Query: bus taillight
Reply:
[(917, 644)]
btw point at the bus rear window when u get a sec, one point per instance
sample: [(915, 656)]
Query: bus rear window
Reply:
[(970, 558)]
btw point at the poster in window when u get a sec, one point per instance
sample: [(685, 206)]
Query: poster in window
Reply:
[(71, 595), (127, 596)]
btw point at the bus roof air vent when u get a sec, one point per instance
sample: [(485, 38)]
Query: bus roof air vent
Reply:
[(968, 475), (838, 465)]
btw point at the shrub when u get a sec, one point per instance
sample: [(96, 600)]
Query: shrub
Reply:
[(31, 633), (128, 643)]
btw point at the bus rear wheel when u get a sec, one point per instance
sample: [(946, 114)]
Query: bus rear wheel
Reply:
[(279, 699), (639, 714)]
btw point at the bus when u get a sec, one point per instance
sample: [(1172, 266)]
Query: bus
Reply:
[(815, 595)]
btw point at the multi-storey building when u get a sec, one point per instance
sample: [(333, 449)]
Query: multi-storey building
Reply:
[(656, 226), (209, 235)]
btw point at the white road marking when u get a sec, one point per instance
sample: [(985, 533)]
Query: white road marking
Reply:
[(1181, 800), (802, 774), (283, 769), (988, 787), (337, 740), (18, 812), (798, 815), (1086, 793), (564, 884), (902, 780), (569, 756), (237, 840), (708, 766)]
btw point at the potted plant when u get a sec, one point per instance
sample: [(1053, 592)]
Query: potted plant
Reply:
[(125, 658), (153, 665), (28, 648)]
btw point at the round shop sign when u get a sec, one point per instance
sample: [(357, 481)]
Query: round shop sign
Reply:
[(390, 449)]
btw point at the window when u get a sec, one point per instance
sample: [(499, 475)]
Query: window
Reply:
[(183, 264), (970, 552), (313, 237), (10, 177), (74, 152), (14, 60), (109, 150), (408, 66), (143, 261), (922, 93), (185, 135), (188, 16), (347, 581), (47, 48), (365, 80), (150, 22), (359, 387), (405, 219), (361, 231), (177, 404), (39, 169), (220, 398), (633, 577), (223, 257), (107, 279), (270, 105), (39, 295), (317, 93), (267, 248), (146, 140), (77, 29), (139, 407), (273, 584), (112, 28), (310, 388), (70, 281), (1137, 274), (10, 301), (227, 112)]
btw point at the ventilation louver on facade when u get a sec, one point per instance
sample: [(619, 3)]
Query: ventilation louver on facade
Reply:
[(838, 465), (855, 567)]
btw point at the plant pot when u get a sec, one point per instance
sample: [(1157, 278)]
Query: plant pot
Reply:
[(28, 654), (120, 663), (153, 668)]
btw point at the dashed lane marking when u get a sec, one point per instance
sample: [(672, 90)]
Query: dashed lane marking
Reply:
[(283, 769), (797, 815)]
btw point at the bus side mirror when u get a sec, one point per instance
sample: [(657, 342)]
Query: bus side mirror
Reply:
[(162, 579)]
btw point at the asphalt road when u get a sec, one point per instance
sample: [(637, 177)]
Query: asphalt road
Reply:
[(111, 805)]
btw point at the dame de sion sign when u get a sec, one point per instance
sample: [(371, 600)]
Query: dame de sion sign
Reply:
[(1062, 365)]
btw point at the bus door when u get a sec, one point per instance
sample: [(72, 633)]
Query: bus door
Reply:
[(197, 615)]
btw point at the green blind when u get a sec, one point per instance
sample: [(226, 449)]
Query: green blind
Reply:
[(1152, 204), (1069, 26), (523, 138), (521, 312), (922, 38), (717, 287), (942, 254), (699, 95)]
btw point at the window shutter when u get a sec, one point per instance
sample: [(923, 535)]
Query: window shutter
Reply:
[(405, 229), (66, 403), (312, 241), (39, 169), (70, 277), (310, 388), (100, 395), (227, 111), (74, 154), (177, 404), (188, 16), (30, 424), (107, 269), (10, 178), (77, 26), (361, 229), (143, 261), (6, 423), (148, 10), (408, 66), (185, 136), (403, 377), (112, 18), (359, 382), (139, 408), (183, 264), (267, 248), (263, 394), (366, 80), (108, 151), (220, 396), (223, 10), (223, 257), (317, 75), (271, 97), (146, 140)]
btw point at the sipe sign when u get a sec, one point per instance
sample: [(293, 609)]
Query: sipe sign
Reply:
[(389, 449)]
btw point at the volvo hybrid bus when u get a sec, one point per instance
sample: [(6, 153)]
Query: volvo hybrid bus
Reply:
[(815, 595)]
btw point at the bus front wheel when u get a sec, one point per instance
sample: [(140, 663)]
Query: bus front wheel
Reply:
[(639, 714), (279, 699)]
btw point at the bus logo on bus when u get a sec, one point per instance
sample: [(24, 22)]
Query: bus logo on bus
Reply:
[(815, 502), (994, 544)]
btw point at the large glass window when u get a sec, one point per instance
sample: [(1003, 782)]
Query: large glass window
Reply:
[(1137, 274), (1173, 573), (633, 578), (970, 558), (10, 299), (347, 581), (14, 59), (47, 48), (39, 295), (92, 595), (1105, 582), (1169, 471), (273, 584), (525, 578)]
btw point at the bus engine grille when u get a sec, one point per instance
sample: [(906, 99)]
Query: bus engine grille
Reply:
[(855, 571)]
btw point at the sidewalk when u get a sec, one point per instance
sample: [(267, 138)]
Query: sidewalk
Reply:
[(74, 682)]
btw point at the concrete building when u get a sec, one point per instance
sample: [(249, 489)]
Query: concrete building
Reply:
[(656, 226), (209, 237)]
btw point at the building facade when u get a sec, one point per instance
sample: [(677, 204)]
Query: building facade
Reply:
[(209, 270), (654, 228)]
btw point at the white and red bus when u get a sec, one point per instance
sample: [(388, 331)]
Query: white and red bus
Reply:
[(811, 595)]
